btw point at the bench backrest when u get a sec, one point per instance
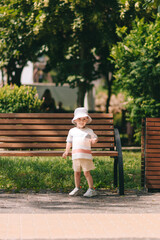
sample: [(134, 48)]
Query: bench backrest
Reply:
[(151, 152), (49, 130)]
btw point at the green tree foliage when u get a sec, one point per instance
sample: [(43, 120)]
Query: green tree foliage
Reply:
[(84, 37), (21, 25), (137, 62), (76, 35), (14, 99), (82, 42), (132, 9)]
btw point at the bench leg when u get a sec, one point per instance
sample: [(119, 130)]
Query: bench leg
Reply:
[(121, 175), (120, 162), (115, 172)]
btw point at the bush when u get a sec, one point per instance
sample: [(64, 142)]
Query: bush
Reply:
[(23, 99)]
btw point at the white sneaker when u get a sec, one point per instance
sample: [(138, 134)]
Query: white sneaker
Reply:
[(90, 193), (76, 192)]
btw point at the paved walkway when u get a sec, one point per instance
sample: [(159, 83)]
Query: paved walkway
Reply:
[(45, 216)]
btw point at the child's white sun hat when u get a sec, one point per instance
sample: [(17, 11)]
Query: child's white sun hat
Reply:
[(81, 112)]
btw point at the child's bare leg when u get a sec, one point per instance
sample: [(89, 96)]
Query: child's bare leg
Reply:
[(77, 179), (89, 179)]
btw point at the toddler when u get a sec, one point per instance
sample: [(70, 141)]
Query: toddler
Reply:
[(80, 139)]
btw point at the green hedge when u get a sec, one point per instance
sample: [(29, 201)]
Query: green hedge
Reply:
[(23, 99)]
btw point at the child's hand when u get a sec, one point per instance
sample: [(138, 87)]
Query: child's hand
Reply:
[(93, 140), (67, 149), (65, 154)]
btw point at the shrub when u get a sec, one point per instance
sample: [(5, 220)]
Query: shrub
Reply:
[(14, 99)]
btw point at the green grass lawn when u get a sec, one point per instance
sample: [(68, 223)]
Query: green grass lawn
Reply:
[(48, 173)]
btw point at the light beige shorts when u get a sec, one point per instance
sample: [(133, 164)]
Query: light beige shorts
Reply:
[(83, 164)]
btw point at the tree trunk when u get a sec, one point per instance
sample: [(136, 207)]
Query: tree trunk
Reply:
[(14, 75), (109, 97), (2, 71), (81, 94), (109, 81)]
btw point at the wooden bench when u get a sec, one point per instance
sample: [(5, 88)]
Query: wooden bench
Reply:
[(44, 134), (150, 160)]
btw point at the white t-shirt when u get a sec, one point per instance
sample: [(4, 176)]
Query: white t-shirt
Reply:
[(81, 146)]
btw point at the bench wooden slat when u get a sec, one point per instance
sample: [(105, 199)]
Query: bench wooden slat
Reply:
[(155, 128), (48, 133), (152, 168), (152, 119), (35, 127), (152, 124), (153, 177), (47, 139), (52, 115), (53, 153), (153, 186), (157, 150), (148, 138), (148, 155), (152, 164), (50, 121), (34, 133), (48, 145), (156, 142), (152, 173), (155, 133), (153, 182), (152, 146), (152, 159), (45, 127)]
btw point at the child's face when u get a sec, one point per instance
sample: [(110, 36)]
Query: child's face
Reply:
[(81, 122)]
